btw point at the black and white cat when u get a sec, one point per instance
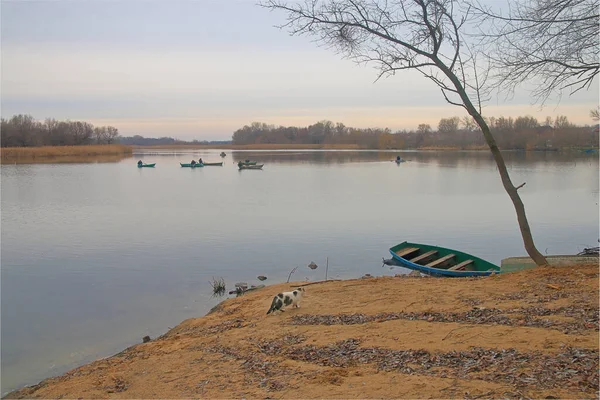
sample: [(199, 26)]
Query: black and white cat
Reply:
[(285, 299)]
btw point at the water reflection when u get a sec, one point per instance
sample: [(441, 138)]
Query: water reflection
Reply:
[(95, 256), (441, 158)]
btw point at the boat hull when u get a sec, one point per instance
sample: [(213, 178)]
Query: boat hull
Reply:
[(213, 164), (247, 163), (147, 165), (251, 166), (477, 266), (191, 166)]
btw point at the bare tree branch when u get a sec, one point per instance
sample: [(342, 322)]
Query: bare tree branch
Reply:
[(552, 44)]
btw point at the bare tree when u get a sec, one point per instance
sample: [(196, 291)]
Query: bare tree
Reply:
[(112, 134), (100, 134), (551, 44), (595, 114), (448, 124), (468, 123), (421, 35), (424, 128)]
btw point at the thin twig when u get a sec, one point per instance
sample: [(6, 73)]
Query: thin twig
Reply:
[(314, 283), (291, 272), (455, 329)]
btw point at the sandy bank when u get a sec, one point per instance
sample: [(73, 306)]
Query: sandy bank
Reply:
[(527, 334)]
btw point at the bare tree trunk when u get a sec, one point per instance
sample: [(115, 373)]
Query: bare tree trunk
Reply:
[(512, 191), (533, 252)]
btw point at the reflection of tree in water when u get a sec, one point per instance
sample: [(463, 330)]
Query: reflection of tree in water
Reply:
[(476, 159)]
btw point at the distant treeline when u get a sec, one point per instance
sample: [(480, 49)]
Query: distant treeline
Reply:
[(24, 131), (520, 133), (138, 140)]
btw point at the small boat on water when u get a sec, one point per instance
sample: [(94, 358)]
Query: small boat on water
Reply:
[(247, 162), (439, 261), (250, 166), (399, 160), (222, 154), (216, 164), (197, 165), (146, 165)]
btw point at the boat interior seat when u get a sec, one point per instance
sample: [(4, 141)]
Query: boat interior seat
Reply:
[(441, 260), (406, 251), (423, 256), (461, 267)]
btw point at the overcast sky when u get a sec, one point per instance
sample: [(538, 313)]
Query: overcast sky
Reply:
[(202, 69)]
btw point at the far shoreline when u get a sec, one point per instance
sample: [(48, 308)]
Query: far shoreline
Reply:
[(118, 152)]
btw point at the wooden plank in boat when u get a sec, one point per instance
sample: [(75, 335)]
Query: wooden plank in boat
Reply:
[(460, 266), (440, 260), (406, 251), (423, 256)]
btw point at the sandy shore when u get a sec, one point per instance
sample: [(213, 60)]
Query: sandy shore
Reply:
[(530, 334)]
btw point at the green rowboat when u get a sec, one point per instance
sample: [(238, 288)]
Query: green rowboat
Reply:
[(197, 165), (439, 261), (216, 164), (146, 165), (250, 166)]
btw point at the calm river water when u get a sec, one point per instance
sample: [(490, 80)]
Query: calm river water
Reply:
[(95, 256)]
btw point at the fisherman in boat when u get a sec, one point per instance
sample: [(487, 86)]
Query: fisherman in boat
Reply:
[(193, 162), (200, 161), (140, 163)]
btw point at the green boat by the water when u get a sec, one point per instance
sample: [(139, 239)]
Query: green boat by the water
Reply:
[(213, 164), (188, 165), (146, 165), (439, 261)]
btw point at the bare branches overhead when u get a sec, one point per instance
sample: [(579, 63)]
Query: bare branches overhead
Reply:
[(393, 35), (552, 44)]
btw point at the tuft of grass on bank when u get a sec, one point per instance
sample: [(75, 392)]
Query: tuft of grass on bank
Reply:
[(218, 286), (15, 154)]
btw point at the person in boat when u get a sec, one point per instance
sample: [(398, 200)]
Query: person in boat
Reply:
[(398, 159), (193, 162), (140, 163), (200, 161)]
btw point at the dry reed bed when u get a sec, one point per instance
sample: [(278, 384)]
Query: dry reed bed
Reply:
[(265, 146), (12, 154)]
